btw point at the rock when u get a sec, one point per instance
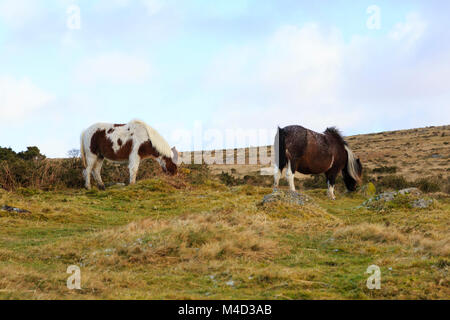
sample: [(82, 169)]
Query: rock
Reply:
[(230, 283), (390, 195), (289, 196), (412, 199), (412, 191), (386, 196), (16, 210), (422, 203)]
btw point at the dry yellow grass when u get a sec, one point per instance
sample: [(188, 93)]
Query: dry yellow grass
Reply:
[(194, 237)]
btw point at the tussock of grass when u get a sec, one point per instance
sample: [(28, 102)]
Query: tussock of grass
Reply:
[(308, 212), (201, 237), (388, 234), (370, 232)]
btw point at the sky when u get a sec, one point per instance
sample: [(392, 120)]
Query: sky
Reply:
[(197, 69)]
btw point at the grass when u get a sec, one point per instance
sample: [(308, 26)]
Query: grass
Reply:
[(188, 237)]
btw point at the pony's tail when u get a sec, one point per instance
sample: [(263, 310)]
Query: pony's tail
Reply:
[(82, 151), (280, 149), (353, 165)]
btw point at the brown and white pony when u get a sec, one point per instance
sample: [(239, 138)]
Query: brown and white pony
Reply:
[(308, 152), (124, 143)]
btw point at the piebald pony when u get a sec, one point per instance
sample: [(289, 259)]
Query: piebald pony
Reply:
[(124, 143)]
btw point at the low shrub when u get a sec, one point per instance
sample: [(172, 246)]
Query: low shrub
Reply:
[(229, 180), (385, 169), (30, 169), (395, 182), (430, 184)]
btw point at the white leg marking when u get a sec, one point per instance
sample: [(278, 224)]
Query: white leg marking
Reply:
[(290, 176), (96, 173), (276, 176), (133, 166), (90, 162), (331, 191)]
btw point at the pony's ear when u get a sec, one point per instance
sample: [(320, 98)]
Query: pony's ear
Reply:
[(175, 155)]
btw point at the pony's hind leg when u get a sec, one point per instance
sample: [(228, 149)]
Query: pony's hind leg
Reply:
[(276, 176), (96, 172), (133, 166), (90, 163), (290, 176)]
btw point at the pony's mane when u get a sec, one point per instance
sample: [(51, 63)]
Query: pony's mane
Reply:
[(156, 139), (334, 132), (352, 165)]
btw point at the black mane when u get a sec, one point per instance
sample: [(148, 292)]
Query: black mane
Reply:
[(334, 132)]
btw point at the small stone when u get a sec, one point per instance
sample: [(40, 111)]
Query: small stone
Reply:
[(411, 191), (12, 209), (421, 203), (230, 283)]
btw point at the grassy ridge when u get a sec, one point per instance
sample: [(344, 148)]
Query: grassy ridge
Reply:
[(196, 237)]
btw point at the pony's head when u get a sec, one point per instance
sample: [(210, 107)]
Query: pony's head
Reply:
[(352, 172), (169, 165)]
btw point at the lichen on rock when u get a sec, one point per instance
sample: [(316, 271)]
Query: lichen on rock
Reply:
[(405, 198), (287, 196)]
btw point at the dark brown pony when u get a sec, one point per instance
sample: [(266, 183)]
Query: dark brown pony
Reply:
[(308, 152)]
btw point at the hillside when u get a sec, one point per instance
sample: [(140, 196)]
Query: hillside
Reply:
[(201, 235), (414, 153)]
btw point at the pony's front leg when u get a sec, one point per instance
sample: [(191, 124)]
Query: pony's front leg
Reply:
[(331, 181), (290, 177), (330, 190), (133, 166)]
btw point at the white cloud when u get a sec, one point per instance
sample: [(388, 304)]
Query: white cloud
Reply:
[(289, 78), (57, 147), (20, 97), (116, 68), (312, 76), (19, 12)]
